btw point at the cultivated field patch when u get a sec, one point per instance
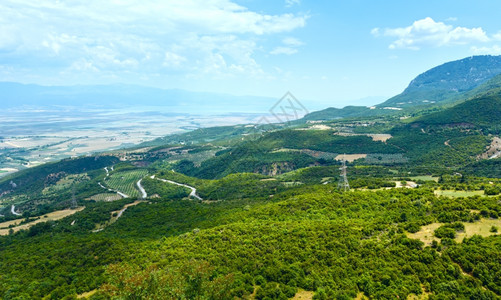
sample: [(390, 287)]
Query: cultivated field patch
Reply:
[(53, 216), (125, 181)]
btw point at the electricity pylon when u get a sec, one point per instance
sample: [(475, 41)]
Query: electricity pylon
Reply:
[(343, 184)]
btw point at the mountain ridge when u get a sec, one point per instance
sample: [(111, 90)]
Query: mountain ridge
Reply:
[(447, 82), (432, 90)]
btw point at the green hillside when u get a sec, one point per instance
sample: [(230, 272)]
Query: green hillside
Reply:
[(483, 112), (282, 151), (270, 237), (332, 113), (448, 82), (256, 212), (490, 88)]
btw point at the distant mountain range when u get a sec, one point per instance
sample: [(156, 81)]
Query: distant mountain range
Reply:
[(443, 85), (117, 96)]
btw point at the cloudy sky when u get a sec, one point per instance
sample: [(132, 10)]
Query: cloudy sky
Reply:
[(325, 51)]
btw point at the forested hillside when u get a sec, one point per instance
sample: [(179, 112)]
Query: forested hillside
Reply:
[(483, 113), (311, 238)]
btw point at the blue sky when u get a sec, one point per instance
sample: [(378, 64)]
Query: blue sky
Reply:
[(327, 53)]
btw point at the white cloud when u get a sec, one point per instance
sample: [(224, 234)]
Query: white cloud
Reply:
[(497, 36), (290, 3), (290, 46), (290, 41), (427, 32), (173, 60), (83, 65), (190, 36), (494, 50), (283, 50), (376, 32)]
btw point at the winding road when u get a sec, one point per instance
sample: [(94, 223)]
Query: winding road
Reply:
[(13, 211), (141, 189), (193, 190)]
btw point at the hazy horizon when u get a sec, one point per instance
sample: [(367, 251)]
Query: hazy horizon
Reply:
[(331, 54)]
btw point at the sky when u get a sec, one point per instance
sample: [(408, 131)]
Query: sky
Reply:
[(333, 53)]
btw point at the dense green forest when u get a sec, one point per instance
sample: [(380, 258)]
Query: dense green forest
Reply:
[(310, 237)]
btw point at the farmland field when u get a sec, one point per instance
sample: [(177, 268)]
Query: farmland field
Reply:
[(125, 181), (31, 137), (425, 178), (53, 216)]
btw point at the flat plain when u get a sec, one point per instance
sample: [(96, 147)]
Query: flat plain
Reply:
[(33, 136)]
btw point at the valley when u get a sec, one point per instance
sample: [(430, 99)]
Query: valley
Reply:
[(34, 136), (256, 211)]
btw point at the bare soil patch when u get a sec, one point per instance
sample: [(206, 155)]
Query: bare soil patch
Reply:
[(481, 228), (493, 150), (408, 184), (303, 295), (380, 137), (350, 157)]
